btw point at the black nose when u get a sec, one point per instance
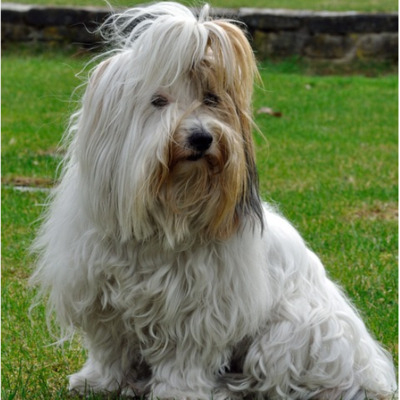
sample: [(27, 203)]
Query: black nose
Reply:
[(200, 140)]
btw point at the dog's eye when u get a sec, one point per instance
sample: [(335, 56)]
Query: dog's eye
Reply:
[(211, 99), (159, 101)]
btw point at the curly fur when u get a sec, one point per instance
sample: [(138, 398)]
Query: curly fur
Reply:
[(157, 248)]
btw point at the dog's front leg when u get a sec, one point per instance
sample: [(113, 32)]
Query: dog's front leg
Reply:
[(187, 372), (114, 362)]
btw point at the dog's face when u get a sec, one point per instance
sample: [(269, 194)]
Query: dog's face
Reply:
[(165, 135)]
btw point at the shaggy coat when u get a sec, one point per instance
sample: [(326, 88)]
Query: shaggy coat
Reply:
[(158, 249)]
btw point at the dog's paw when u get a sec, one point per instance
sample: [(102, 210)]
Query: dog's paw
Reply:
[(136, 389), (78, 383), (82, 383), (163, 391), (88, 380)]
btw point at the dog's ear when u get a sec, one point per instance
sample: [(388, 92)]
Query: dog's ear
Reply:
[(98, 90), (232, 51), (94, 146), (100, 133)]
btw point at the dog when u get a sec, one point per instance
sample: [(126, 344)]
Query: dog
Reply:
[(157, 247)]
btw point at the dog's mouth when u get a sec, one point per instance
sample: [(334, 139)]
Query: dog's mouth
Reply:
[(195, 156), (205, 160)]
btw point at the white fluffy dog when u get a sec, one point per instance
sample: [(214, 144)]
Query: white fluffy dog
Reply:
[(157, 248)]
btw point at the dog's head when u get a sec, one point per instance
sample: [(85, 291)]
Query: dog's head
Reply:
[(164, 135)]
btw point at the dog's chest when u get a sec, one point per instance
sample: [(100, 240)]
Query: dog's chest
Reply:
[(202, 294)]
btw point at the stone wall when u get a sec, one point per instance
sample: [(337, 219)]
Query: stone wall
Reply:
[(333, 36), (343, 37)]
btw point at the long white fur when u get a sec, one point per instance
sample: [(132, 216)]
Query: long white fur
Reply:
[(163, 310)]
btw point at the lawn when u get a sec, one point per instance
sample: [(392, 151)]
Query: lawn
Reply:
[(330, 5), (329, 161)]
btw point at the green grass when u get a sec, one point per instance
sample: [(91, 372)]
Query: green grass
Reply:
[(330, 5), (329, 162), (332, 167)]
